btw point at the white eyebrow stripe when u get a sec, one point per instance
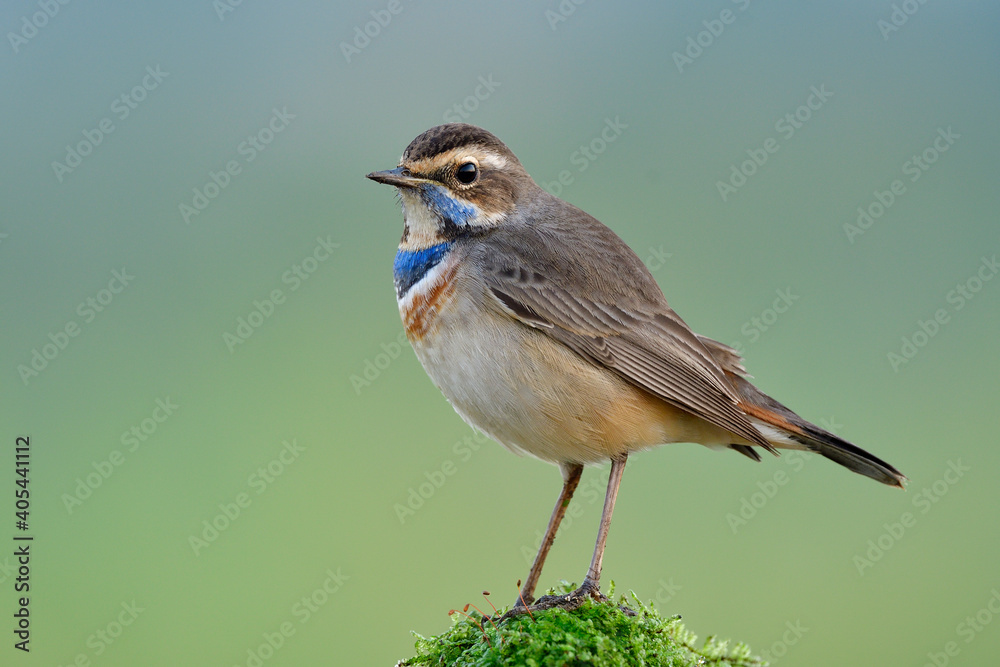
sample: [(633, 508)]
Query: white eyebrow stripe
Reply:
[(485, 158), (492, 160)]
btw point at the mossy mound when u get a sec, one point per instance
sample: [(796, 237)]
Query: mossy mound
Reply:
[(598, 633)]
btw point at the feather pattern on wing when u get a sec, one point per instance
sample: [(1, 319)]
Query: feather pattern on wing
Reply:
[(628, 328)]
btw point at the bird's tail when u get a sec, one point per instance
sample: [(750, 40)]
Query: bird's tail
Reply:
[(785, 429), (797, 431)]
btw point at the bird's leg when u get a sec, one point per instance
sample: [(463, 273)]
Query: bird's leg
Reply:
[(591, 586), (571, 477), (592, 582)]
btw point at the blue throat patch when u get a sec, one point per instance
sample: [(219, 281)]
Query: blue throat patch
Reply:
[(412, 265), (450, 210)]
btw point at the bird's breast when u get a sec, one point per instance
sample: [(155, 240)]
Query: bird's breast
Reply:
[(425, 288)]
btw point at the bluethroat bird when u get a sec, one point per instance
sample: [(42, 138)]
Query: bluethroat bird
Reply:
[(546, 332)]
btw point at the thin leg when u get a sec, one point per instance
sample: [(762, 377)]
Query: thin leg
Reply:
[(571, 477), (592, 582)]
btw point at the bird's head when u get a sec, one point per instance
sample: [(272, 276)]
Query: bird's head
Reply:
[(455, 180)]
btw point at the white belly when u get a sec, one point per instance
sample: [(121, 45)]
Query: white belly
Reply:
[(524, 389)]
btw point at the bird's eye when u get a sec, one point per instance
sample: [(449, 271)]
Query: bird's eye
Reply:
[(467, 173)]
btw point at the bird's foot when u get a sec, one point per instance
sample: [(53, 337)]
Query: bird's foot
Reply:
[(569, 601)]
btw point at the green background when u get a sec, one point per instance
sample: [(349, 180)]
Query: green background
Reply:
[(365, 446)]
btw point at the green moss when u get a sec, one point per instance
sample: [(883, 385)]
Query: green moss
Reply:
[(598, 633)]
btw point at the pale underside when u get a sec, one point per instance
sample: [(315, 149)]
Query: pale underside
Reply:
[(533, 394)]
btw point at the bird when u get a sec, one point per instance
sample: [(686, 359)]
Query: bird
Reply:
[(546, 332)]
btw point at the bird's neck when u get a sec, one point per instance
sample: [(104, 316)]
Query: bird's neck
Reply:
[(412, 266)]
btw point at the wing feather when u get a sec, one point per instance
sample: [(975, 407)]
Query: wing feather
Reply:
[(617, 317)]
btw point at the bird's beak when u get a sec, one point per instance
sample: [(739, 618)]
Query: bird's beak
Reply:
[(400, 177)]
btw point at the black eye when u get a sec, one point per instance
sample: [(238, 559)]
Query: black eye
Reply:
[(467, 173)]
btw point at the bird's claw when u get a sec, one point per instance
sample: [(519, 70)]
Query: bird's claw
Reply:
[(569, 601)]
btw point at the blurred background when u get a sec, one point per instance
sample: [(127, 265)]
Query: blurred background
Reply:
[(236, 458)]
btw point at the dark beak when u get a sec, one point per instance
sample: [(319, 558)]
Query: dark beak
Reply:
[(400, 177)]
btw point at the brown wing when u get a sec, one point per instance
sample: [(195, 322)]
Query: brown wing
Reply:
[(605, 306)]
